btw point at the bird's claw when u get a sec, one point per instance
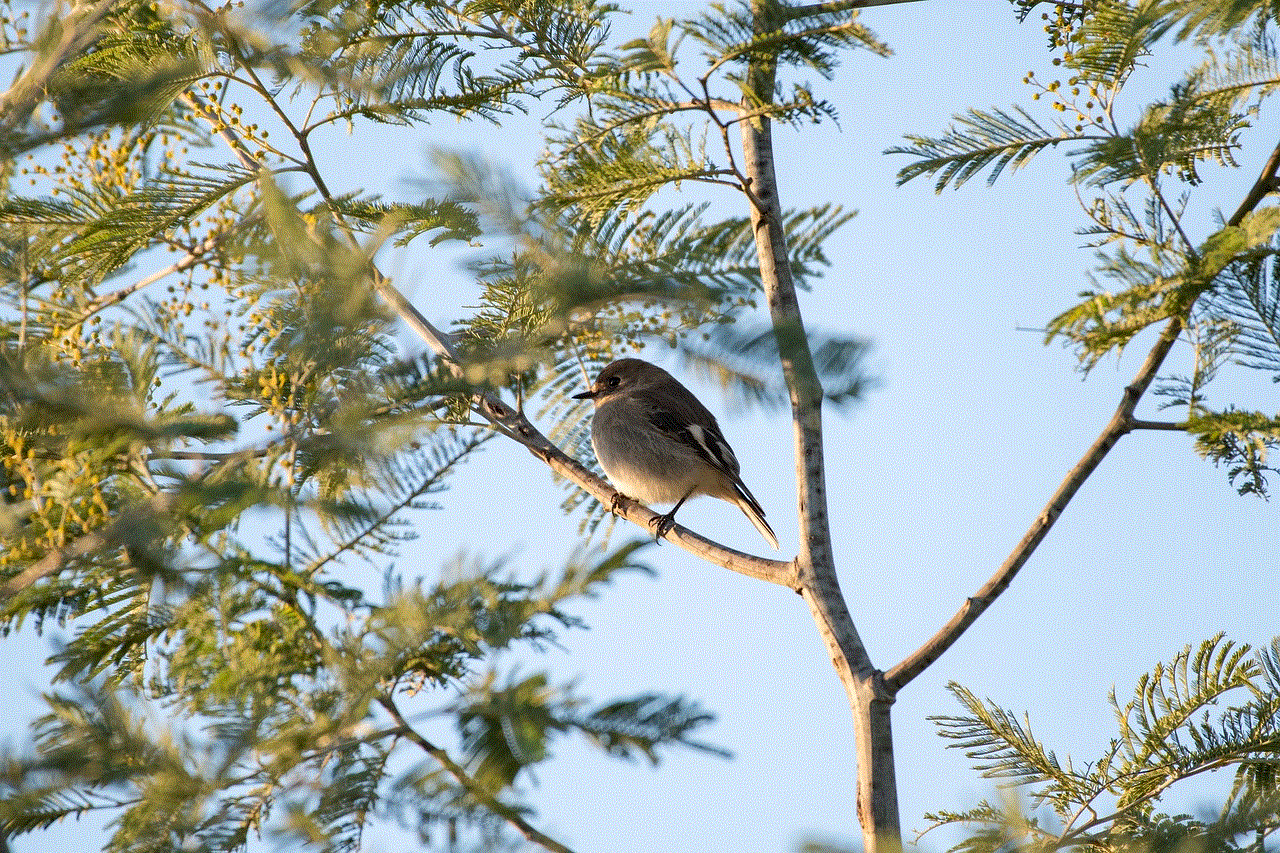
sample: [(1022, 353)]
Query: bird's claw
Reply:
[(663, 526)]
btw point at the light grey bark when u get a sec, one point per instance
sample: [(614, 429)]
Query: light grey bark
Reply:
[(877, 798)]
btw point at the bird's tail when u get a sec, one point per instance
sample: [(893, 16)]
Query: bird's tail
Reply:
[(754, 512)]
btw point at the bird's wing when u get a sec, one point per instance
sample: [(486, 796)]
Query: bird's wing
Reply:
[(703, 438)]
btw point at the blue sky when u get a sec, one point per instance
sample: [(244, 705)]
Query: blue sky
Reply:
[(932, 479)]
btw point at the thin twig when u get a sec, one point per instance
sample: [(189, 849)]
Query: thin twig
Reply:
[(838, 6), (192, 257), (159, 504), (513, 423), (1167, 426), (1122, 421), (457, 771)]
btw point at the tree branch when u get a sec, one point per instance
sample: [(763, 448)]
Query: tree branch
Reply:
[(78, 29), (838, 6), (877, 790), (816, 559), (1122, 421), (193, 256), (159, 504), (1166, 426), (1266, 183), (457, 771), (513, 423)]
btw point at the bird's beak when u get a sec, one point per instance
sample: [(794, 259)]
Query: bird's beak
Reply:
[(585, 395)]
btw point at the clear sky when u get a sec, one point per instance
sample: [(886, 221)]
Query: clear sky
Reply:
[(932, 479)]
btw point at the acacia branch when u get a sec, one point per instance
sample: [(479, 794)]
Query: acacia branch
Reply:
[(78, 30), (458, 772), (113, 534), (1122, 421), (513, 423), (193, 256), (838, 6)]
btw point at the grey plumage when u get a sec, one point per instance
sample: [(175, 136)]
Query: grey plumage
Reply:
[(658, 444)]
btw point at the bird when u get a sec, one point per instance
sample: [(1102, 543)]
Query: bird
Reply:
[(658, 444)]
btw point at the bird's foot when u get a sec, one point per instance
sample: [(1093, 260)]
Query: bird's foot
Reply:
[(662, 525), (615, 502)]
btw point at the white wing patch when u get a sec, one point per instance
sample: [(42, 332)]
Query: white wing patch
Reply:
[(716, 451)]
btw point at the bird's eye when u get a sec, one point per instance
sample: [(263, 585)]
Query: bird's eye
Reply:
[(613, 381)]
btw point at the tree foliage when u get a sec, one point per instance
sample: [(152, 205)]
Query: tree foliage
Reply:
[(1139, 181), (210, 422), (1214, 707), (213, 430)]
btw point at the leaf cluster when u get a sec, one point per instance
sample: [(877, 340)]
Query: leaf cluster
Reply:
[(1152, 268), (1214, 707), (300, 731), (212, 433)]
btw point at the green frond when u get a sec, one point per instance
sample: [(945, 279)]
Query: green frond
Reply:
[(641, 724), (400, 82), (989, 828), (1112, 37), (564, 39), (1170, 137), (33, 810), (134, 65), (1219, 17), (1154, 290), (117, 643), (1269, 663), (623, 169), (1248, 297), (1117, 221), (505, 729), (1236, 79), (1004, 748), (1247, 442), (1211, 343), (653, 53), (734, 34), (97, 233), (997, 138), (1212, 707), (349, 794), (744, 360), (373, 492), (406, 221), (508, 729), (396, 63), (1163, 712)]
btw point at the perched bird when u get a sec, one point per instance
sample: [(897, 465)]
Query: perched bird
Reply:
[(658, 444)]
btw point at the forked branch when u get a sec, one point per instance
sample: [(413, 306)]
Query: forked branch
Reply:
[(1121, 422)]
